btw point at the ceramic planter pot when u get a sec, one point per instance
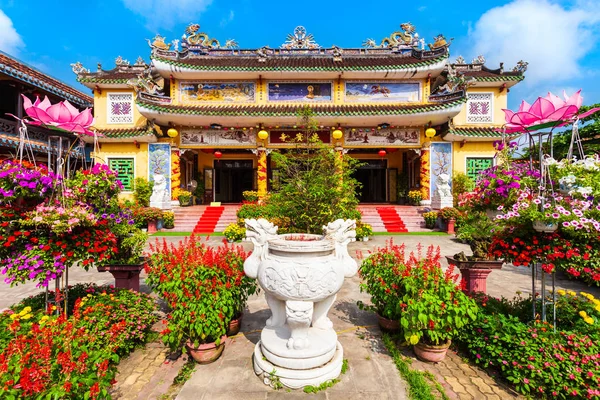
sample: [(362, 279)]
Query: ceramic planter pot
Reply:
[(388, 325), (152, 226), (234, 325), (206, 353), (475, 273), (544, 227), (431, 353), (127, 276)]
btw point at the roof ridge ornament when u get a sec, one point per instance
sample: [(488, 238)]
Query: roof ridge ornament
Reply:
[(79, 69), (439, 41), (521, 66), (121, 62), (460, 60), (140, 61), (408, 37), (480, 59), (300, 40), (193, 37), (337, 52)]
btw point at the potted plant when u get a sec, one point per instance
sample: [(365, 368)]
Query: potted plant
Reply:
[(199, 285), (478, 232), (415, 197), (250, 195), (363, 231), (402, 188), (184, 197), (168, 219), (234, 233), (242, 287), (381, 279), (199, 192), (430, 219), (449, 216), (147, 217), (434, 308)]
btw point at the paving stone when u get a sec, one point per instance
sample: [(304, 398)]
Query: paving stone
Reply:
[(456, 385), (235, 395), (131, 379), (473, 391), (482, 386), (282, 394), (492, 397), (361, 396)]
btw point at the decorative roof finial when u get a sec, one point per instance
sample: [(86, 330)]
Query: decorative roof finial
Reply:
[(521, 66), (140, 61), (460, 60), (478, 60), (158, 43), (78, 68), (120, 62), (337, 54), (300, 40)]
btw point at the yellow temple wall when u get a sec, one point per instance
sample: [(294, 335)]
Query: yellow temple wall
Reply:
[(498, 103), (126, 150), (469, 149), (101, 111)]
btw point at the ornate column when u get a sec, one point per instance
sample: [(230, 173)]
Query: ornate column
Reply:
[(261, 171), (175, 172), (425, 173)]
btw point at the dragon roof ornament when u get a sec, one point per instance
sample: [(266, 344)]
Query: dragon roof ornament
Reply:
[(78, 68), (193, 37), (408, 37), (300, 40), (120, 61)]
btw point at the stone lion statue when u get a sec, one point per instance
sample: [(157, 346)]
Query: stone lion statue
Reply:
[(443, 186), (160, 194)]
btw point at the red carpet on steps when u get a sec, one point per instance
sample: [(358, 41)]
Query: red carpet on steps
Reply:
[(391, 220), (208, 220)]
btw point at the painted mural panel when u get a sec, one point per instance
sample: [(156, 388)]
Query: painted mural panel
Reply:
[(381, 137), (159, 162), (216, 92), (369, 92), (441, 163), (217, 138), (299, 91)]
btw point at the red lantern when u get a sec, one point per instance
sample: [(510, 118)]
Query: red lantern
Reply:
[(218, 154), (382, 153)]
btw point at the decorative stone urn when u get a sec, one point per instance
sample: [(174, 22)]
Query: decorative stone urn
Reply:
[(300, 275)]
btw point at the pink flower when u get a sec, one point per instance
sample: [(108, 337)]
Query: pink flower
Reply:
[(61, 115), (550, 110), (525, 380)]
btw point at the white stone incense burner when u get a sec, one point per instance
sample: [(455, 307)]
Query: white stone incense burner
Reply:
[(301, 275)]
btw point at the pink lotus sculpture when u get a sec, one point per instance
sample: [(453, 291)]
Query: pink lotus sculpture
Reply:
[(61, 115), (549, 111)]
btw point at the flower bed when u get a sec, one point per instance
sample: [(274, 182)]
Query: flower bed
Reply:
[(75, 356), (530, 355)]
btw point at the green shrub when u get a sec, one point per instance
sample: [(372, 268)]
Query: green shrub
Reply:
[(430, 218), (461, 183), (143, 191)]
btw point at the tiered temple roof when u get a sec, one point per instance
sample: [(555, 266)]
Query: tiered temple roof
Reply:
[(22, 72)]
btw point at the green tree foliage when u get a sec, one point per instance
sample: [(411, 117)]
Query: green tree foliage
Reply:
[(143, 191), (317, 186)]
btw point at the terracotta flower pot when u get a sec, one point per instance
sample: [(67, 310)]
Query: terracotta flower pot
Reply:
[(152, 226), (431, 353), (234, 325), (206, 353), (388, 325)]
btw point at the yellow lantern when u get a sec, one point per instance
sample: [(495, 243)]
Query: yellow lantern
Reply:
[(337, 134), (262, 134), (172, 132), (430, 132)]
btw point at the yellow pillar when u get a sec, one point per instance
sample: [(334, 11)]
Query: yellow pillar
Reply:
[(425, 171), (175, 172), (261, 172)]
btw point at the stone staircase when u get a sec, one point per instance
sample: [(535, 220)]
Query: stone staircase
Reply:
[(204, 219), (409, 218)]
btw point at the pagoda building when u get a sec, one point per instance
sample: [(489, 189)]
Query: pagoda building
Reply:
[(212, 111), (18, 79)]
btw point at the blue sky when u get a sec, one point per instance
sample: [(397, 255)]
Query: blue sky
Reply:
[(559, 39)]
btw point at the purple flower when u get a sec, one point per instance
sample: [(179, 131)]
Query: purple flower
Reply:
[(555, 215)]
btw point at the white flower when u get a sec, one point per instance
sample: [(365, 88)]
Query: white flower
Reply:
[(585, 191), (550, 161), (569, 179)]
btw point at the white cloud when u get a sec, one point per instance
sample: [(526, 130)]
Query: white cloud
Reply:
[(422, 8), (553, 39), (225, 21), (165, 13), (10, 40)]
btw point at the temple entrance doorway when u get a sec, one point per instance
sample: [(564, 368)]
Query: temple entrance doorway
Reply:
[(373, 177), (232, 178)]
